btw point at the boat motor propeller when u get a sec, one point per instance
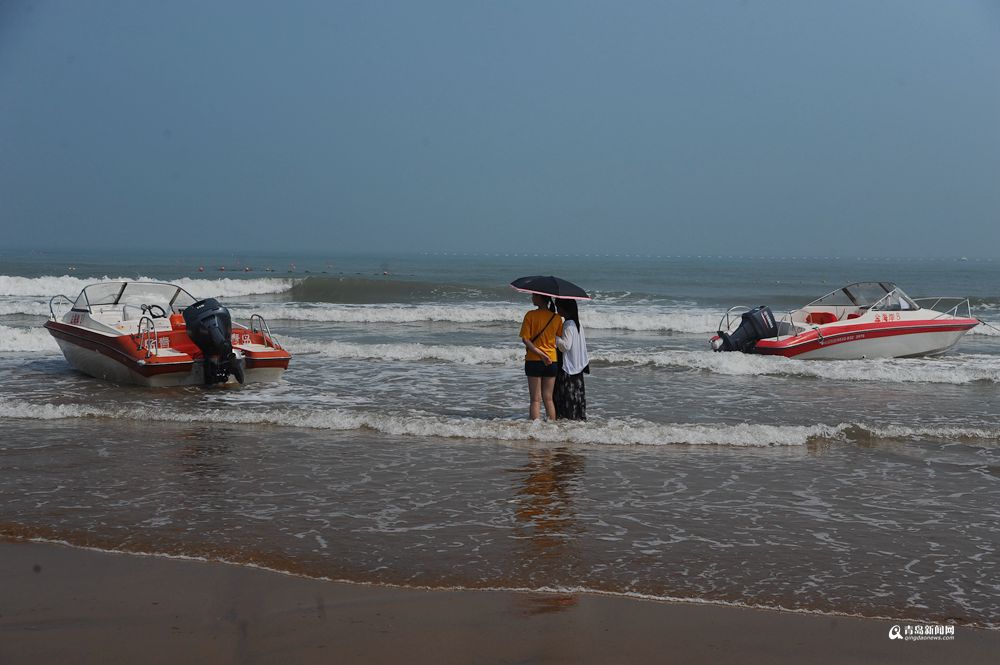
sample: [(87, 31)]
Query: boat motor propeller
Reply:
[(209, 326), (756, 324)]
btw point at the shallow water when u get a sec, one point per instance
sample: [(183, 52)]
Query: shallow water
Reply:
[(396, 450)]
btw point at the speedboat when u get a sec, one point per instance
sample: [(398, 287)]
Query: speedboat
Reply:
[(860, 320), (156, 334)]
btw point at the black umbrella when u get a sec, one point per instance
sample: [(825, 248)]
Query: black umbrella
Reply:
[(550, 286)]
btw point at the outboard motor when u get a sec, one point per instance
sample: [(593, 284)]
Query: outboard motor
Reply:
[(757, 324), (209, 326)]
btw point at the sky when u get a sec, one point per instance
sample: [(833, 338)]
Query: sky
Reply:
[(857, 127)]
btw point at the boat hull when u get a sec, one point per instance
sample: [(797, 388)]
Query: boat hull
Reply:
[(110, 358), (862, 344), (858, 321)]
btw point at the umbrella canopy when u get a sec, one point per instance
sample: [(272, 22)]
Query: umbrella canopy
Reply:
[(550, 286)]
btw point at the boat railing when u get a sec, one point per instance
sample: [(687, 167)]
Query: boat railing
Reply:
[(957, 305), (52, 314), (786, 324), (146, 337), (725, 323), (259, 325)]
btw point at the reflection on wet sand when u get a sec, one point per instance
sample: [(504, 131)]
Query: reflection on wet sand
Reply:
[(204, 458), (547, 522), (546, 603)]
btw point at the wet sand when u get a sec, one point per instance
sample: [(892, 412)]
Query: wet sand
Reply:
[(62, 605)]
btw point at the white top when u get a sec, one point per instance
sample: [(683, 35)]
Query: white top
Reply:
[(573, 344)]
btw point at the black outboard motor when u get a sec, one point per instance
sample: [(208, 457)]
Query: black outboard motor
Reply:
[(209, 327), (757, 324)]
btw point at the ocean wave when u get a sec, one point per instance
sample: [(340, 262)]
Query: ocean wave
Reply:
[(608, 318), (961, 369), (952, 370), (371, 290), (615, 432), (464, 354), (361, 290), (18, 307), (26, 339), (992, 329), (609, 432), (51, 285), (656, 318), (955, 369), (322, 313)]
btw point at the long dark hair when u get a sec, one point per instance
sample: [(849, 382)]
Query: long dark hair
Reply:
[(569, 310)]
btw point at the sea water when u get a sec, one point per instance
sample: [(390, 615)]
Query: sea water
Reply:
[(397, 450)]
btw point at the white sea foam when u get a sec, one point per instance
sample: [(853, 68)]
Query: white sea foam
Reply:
[(958, 369), (610, 318), (543, 589), (26, 339), (464, 354), (29, 295), (655, 318), (15, 306), (626, 432), (992, 328), (51, 285), (329, 313), (955, 369), (609, 432)]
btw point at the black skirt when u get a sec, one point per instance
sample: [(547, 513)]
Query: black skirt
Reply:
[(570, 396)]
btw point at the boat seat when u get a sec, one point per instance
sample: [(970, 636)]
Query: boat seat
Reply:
[(853, 315), (820, 318)]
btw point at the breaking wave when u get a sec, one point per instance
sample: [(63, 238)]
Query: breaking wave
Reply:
[(359, 290), (954, 369), (649, 319), (10, 307), (655, 318), (51, 285), (959, 369), (26, 339), (467, 354), (609, 432), (619, 432)]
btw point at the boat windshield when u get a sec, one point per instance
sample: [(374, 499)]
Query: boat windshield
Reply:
[(881, 296), (168, 296)]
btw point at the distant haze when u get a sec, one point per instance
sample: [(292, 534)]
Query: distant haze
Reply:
[(851, 127)]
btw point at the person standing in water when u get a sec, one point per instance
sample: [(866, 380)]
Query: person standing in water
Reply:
[(570, 395), (539, 330)]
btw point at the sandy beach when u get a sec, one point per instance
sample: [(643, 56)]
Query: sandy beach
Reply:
[(69, 605)]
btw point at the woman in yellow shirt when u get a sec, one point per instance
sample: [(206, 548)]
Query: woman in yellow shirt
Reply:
[(539, 330)]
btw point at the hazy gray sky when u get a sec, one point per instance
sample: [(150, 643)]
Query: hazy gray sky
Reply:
[(861, 127)]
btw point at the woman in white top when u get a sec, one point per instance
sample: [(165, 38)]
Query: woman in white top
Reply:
[(570, 395)]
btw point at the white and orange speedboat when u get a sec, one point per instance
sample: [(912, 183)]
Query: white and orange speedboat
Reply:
[(861, 320), (156, 334)]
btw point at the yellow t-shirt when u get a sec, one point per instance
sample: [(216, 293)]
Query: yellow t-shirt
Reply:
[(549, 324)]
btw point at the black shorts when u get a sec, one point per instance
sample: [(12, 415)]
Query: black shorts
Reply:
[(538, 368)]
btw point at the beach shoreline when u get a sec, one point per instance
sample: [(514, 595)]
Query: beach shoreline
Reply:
[(64, 604)]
